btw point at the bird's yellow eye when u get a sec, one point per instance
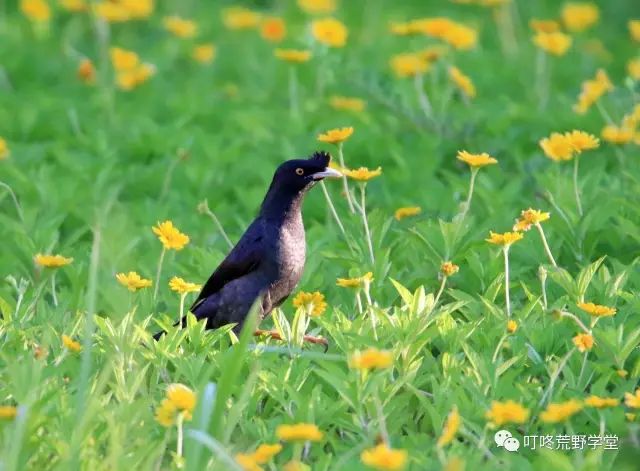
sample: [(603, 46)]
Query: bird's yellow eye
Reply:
[(299, 171)]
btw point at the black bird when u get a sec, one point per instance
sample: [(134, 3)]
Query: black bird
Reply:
[(268, 261)]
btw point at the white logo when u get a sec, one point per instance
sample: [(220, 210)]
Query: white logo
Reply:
[(504, 439)]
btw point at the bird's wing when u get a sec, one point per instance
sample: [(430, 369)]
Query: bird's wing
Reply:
[(243, 259)]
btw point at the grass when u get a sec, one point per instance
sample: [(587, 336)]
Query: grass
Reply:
[(92, 168)]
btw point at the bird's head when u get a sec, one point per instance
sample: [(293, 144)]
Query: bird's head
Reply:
[(301, 174)]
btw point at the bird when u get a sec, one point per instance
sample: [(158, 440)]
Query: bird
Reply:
[(268, 261)]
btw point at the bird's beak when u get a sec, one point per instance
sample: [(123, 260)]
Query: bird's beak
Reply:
[(326, 173)]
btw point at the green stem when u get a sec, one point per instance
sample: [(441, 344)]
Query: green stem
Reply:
[(14, 199), (582, 368), (365, 222), (575, 319), (576, 189), (554, 377), (442, 284), (546, 246), (205, 208), (423, 98), (345, 183), (334, 213), (158, 273), (505, 252), (542, 82), (472, 184), (53, 289), (180, 434), (182, 296)]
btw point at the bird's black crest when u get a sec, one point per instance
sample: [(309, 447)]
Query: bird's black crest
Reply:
[(321, 157)]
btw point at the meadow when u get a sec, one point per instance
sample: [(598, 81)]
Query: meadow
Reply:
[(476, 270)]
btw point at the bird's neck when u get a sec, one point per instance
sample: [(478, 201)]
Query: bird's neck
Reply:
[(280, 205)]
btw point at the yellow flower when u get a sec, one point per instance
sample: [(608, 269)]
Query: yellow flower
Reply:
[(130, 79), (112, 12), (592, 90), (239, 18), (450, 428), (544, 26), (355, 282), (336, 136), (449, 268), (180, 27), (401, 29), (634, 29), (463, 82), (407, 211), (601, 402), (123, 60), (630, 417), (597, 309), (329, 32), (317, 6), (265, 452), (408, 65), (138, 9), (583, 342), (4, 149), (632, 400), (579, 16), (461, 37), (617, 135), (166, 413), (512, 326), (557, 147), (74, 5), (454, 464), (633, 69), (293, 55), (295, 465), (362, 174), (8, 412), (86, 71), (554, 43), (370, 359), (273, 29), (528, 218), (509, 412), (383, 458), (204, 53), (347, 103), (170, 236), (314, 303), (433, 27), (247, 462), (179, 400), (432, 53), (506, 238), (476, 160), (560, 411), (182, 397), (52, 261), (132, 281), (71, 344), (36, 10), (178, 285), (581, 140), (299, 432), (622, 373)]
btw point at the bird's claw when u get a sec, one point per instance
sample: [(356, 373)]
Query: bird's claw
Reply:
[(274, 334)]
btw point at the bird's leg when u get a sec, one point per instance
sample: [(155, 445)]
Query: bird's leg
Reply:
[(274, 334)]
